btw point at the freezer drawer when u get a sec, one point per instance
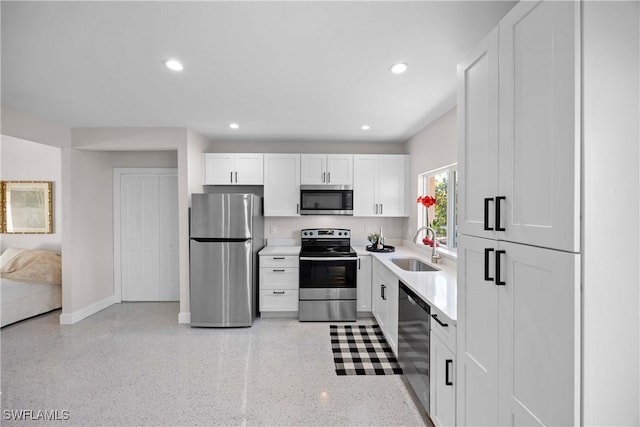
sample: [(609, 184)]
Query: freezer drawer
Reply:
[(221, 284)]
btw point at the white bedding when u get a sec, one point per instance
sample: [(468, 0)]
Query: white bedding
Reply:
[(20, 300)]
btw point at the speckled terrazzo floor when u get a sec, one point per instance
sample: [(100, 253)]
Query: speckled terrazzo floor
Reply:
[(133, 364)]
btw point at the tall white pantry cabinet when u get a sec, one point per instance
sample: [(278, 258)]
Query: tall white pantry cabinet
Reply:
[(546, 108)]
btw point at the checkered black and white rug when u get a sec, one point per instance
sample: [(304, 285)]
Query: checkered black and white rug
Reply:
[(362, 350)]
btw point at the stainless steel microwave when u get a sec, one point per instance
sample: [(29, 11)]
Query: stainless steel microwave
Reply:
[(326, 200)]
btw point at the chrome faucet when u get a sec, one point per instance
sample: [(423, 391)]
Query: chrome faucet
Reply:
[(434, 252)]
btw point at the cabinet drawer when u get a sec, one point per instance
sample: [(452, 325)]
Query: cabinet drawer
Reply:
[(279, 261), (279, 278), (278, 300), (446, 333)]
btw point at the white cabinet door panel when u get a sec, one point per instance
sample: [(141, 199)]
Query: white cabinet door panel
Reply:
[(313, 169), (539, 336), (340, 169), (218, 169), (281, 184), (364, 185), (478, 138), (364, 283), (539, 115), (442, 404), (249, 169), (477, 335), (391, 184)]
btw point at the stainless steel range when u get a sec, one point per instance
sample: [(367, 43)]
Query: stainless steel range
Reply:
[(328, 268)]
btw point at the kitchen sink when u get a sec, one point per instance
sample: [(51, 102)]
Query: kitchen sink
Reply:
[(413, 264)]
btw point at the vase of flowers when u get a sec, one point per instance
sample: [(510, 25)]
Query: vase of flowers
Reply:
[(427, 201)]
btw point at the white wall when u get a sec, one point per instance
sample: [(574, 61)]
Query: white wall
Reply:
[(88, 168), (90, 224), (432, 148), (31, 128), (611, 252), (31, 161)]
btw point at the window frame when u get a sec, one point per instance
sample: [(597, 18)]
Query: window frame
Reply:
[(452, 172)]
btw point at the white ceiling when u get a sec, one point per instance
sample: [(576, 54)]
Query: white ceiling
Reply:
[(303, 71)]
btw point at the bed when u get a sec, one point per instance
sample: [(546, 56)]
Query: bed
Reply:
[(31, 283)]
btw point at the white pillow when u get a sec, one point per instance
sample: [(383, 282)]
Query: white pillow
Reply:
[(8, 254)]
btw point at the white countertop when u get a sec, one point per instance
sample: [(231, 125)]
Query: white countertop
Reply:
[(439, 289), (283, 250)]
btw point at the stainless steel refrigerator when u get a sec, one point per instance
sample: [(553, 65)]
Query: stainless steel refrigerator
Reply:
[(227, 231)]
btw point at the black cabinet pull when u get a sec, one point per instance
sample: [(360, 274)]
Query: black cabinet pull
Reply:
[(358, 263), (440, 322), (447, 380), (231, 177), (487, 251), (278, 257), (498, 280), (498, 199), (382, 292), (278, 292), (236, 177), (278, 270), (487, 200)]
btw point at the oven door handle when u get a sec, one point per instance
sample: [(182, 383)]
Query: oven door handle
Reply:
[(327, 258)]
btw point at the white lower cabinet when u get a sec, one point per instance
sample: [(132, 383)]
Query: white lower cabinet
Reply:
[(279, 277), (384, 295), (364, 283), (442, 363)]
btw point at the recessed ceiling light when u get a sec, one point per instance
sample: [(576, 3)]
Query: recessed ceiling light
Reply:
[(173, 64), (399, 68), (234, 126), (365, 127)]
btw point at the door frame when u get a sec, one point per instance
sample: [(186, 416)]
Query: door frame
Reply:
[(118, 173)]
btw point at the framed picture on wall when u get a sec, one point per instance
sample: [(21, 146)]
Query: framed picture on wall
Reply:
[(27, 207)]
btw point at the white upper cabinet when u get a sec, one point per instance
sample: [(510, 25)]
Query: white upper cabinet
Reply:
[(326, 169), (281, 184), (380, 185), (519, 163), (478, 138), (539, 125), (233, 169)]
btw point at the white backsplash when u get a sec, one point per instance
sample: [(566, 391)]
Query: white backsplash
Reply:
[(289, 228)]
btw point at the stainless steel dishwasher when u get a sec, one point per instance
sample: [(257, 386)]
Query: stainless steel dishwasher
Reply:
[(414, 323)]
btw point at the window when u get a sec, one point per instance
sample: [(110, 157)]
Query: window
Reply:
[(441, 184)]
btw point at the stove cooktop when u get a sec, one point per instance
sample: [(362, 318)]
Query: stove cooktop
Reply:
[(326, 242)]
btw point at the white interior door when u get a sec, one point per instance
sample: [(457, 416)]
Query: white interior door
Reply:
[(147, 262)]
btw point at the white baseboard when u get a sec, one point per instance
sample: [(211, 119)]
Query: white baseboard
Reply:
[(83, 313), (184, 317)]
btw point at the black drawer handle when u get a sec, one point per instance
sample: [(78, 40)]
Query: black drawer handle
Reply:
[(487, 251), (447, 379), (498, 199), (487, 200), (499, 281), (278, 257), (278, 292), (278, 270), (435, 317), (382, 288)]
